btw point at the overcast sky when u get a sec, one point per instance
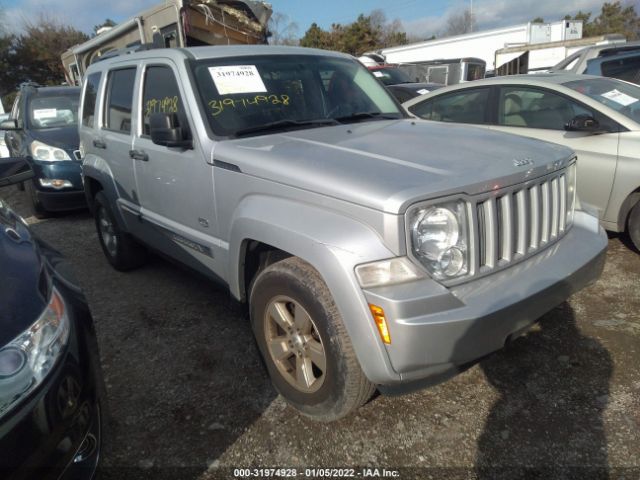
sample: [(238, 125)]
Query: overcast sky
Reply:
[(419, 17)]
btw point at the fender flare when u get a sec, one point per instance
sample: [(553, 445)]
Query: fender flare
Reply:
[(333, 244)]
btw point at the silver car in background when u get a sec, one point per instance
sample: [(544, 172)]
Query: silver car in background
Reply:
[(597, 117)]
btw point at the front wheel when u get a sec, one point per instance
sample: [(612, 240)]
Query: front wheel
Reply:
[(122, 251), (37, 208), (304, 343)]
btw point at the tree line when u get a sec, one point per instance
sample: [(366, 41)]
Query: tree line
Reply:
[(372, 32)]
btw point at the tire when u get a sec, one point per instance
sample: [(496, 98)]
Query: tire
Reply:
[(633, 227), (37, 209), (290, 302), (121, 250)]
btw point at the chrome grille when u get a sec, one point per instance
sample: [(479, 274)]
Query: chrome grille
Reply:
[(517, 222)]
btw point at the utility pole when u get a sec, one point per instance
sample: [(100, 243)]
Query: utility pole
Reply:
[(471, 15)]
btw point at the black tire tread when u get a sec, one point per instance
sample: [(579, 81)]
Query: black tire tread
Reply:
[(633, 226), (358, 388), (131, 254)]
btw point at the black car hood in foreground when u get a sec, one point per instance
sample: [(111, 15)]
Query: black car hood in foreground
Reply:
[(66, 138), (23, 281)]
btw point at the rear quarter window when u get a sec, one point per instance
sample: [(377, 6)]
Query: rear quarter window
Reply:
[(89, 99)]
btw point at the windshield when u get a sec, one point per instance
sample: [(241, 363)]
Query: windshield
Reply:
[(620, 96), (391, 76), (54, 111), (251, 95)]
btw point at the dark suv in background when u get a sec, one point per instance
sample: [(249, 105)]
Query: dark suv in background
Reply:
[(43, 128)]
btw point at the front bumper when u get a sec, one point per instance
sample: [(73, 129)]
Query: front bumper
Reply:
[(59, 200), (436, 332), (55, 432)]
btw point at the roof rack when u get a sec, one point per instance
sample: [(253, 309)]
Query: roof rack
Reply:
[(30, 84), (125, 51)]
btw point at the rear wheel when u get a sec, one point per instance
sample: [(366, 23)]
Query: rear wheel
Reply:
[(304, 343), (122, 251), (634, 225)]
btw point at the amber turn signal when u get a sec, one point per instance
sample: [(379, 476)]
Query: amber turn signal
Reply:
[(381, 323)]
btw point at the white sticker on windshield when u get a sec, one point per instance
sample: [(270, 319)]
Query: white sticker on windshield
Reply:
[(378, 74), (237, 79), (617, 96), (422, 91), (45, 113)]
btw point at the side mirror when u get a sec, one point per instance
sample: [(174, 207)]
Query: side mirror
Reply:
[(165, 130), (583, 123), (9, 125), (14, 170)]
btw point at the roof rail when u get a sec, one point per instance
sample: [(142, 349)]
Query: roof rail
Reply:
[(125, 51), (30, 84)]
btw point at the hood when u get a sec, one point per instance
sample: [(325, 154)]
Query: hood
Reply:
[(66, 138), (22, 291), (387, 165)]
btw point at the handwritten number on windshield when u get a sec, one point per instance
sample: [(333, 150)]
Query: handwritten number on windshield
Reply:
[(219, 106)]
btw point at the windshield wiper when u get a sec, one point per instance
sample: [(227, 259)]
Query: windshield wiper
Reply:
[(284, 124), (354, 117)]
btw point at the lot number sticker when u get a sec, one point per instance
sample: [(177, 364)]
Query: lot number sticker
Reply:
[(422, 91), (378, 74), (617, 96), (237, 79), (45, 113)]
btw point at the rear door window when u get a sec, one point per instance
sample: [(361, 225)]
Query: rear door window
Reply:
[(120, 100), (466, 106), (625, 69)]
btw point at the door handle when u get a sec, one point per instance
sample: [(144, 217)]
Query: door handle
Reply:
[(99, 144), (139, 155)]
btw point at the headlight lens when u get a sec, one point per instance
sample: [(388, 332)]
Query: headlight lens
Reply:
[(42, 151), (27, 360), (571, 192), (439, 239)]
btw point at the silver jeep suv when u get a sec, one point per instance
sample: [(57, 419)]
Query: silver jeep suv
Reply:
[(374, 251)]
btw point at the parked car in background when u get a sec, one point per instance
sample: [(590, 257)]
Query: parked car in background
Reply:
[(400, 84), (353, 232), (406, 91), (49, 364), (43, 128), (599, 118), (624, 66), (618, 60), (4, 151)]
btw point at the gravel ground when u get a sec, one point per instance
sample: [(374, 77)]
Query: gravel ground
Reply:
[(189, 398)]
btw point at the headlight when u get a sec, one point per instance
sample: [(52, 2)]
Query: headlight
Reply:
[(42, 151), (26, 361), (571, 192), (439, 239)]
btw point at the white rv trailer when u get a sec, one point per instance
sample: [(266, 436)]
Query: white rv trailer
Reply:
[(482, 44), (175, 23)]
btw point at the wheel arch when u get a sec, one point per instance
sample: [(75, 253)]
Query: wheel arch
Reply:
[(331, 243)]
